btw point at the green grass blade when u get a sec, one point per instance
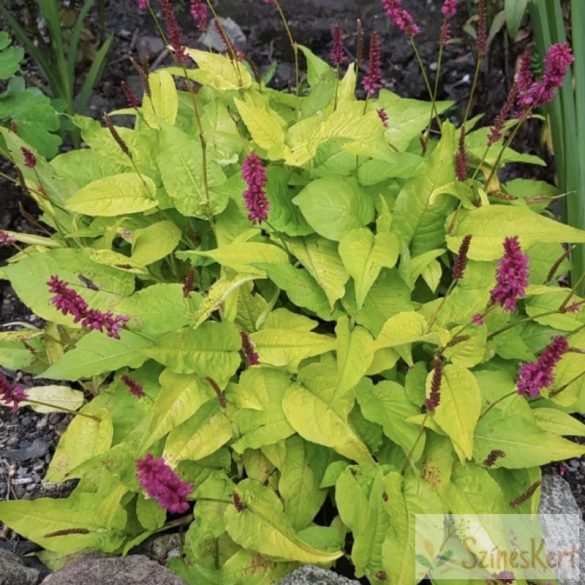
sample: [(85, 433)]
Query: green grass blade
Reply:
[(32, 50), (94, 74), (76, 34)]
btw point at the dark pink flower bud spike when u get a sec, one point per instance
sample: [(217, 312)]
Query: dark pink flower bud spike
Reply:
[(372, 81), (338, 57)]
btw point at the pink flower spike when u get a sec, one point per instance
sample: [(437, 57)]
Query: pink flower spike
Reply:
[(503, 115), (383, 115), (536, 376), (372, 81), (66, 299), (11, 393), (400, 17), (478, 320), (338, 57), (449, 8), (461, 158), (6, 239), (135, 388), (143, 4), (254, 173), (200, 14), (30, 160), (252, 358), (161, 483), (104, 322), (512, 276), (173, 31)]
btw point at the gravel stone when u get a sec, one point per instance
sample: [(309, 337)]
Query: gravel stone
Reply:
[(311, 575), (13, 572)]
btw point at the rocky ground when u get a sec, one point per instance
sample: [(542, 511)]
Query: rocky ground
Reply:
[(27, 439)]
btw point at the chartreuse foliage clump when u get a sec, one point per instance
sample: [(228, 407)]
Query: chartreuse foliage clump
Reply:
[(294, 378)]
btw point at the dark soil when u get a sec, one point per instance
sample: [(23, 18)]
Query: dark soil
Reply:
[(27, 439)]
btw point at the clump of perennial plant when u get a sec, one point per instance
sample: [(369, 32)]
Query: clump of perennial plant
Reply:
[(275, 315)]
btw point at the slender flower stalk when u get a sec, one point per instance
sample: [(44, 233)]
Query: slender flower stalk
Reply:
[(293, 44), (511, 277), (160, 482), (536, 376), (254, 173), (359, 45)]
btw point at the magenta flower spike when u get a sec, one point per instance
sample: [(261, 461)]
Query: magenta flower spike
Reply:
[(434, 399), (11, 394), (30, 160), (338, 57), (173, 31), (6, 239), (512, 276), (372, 81), (67, 301), (136, 389), (254, 173), (252, 358), (532, 94), (383, 115), (536, 376), (458, 270), (449, 8), (503, 115), (400, 17), (143, 4), (200, 14), (161, 483)]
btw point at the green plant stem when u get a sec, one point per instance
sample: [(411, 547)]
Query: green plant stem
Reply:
[(62, 409), (414, 445), (294, 46), (435, 93), (433, 318), (495, 402), (472, 93), (229, 45), (520, 322), (505, 146), (565, 386), (572, 292), (426, 79)]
